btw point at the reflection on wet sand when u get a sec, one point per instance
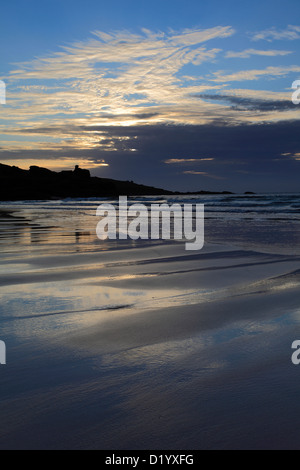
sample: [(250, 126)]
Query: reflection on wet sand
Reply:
[(143, 345)]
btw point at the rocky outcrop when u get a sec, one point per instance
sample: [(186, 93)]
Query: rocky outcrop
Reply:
[(40, 184)]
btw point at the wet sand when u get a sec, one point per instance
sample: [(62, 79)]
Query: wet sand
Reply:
[(147, 347)]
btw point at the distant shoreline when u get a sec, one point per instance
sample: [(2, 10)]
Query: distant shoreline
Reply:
[(39, 184)]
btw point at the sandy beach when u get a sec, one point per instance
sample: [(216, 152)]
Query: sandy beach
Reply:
[(145, 346)]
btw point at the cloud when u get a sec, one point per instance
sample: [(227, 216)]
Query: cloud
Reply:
[(118, 78), (244, 103), (254, 74), (190, 37), (193, 172), (124, 49), (172, 161), (203, 173), (294, 156), (249, 52), (291, 33), (253, 149), (261, 94), (102, 100)]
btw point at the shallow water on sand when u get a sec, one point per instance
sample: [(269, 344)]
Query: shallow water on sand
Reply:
[(134, 345)]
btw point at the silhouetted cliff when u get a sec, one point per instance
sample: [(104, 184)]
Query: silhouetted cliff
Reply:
[(40, 183)]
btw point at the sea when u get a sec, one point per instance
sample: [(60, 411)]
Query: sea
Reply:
[(268, 222)]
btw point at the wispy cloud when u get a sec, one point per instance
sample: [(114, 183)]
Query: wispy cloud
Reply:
[(249, 52), (203, 173), (190, 37), (294, 156), (254, 74), (172, 161), (115, 73), (291, 33), (194, 172)]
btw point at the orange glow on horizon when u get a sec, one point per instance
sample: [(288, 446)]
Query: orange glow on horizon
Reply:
[(55, 165)]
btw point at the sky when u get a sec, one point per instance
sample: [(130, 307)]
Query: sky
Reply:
[(187, 96)]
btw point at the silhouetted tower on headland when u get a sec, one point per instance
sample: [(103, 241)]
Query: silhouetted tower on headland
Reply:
[(81, 174)]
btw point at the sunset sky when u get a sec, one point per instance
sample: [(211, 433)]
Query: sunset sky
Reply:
[(182, 95)]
